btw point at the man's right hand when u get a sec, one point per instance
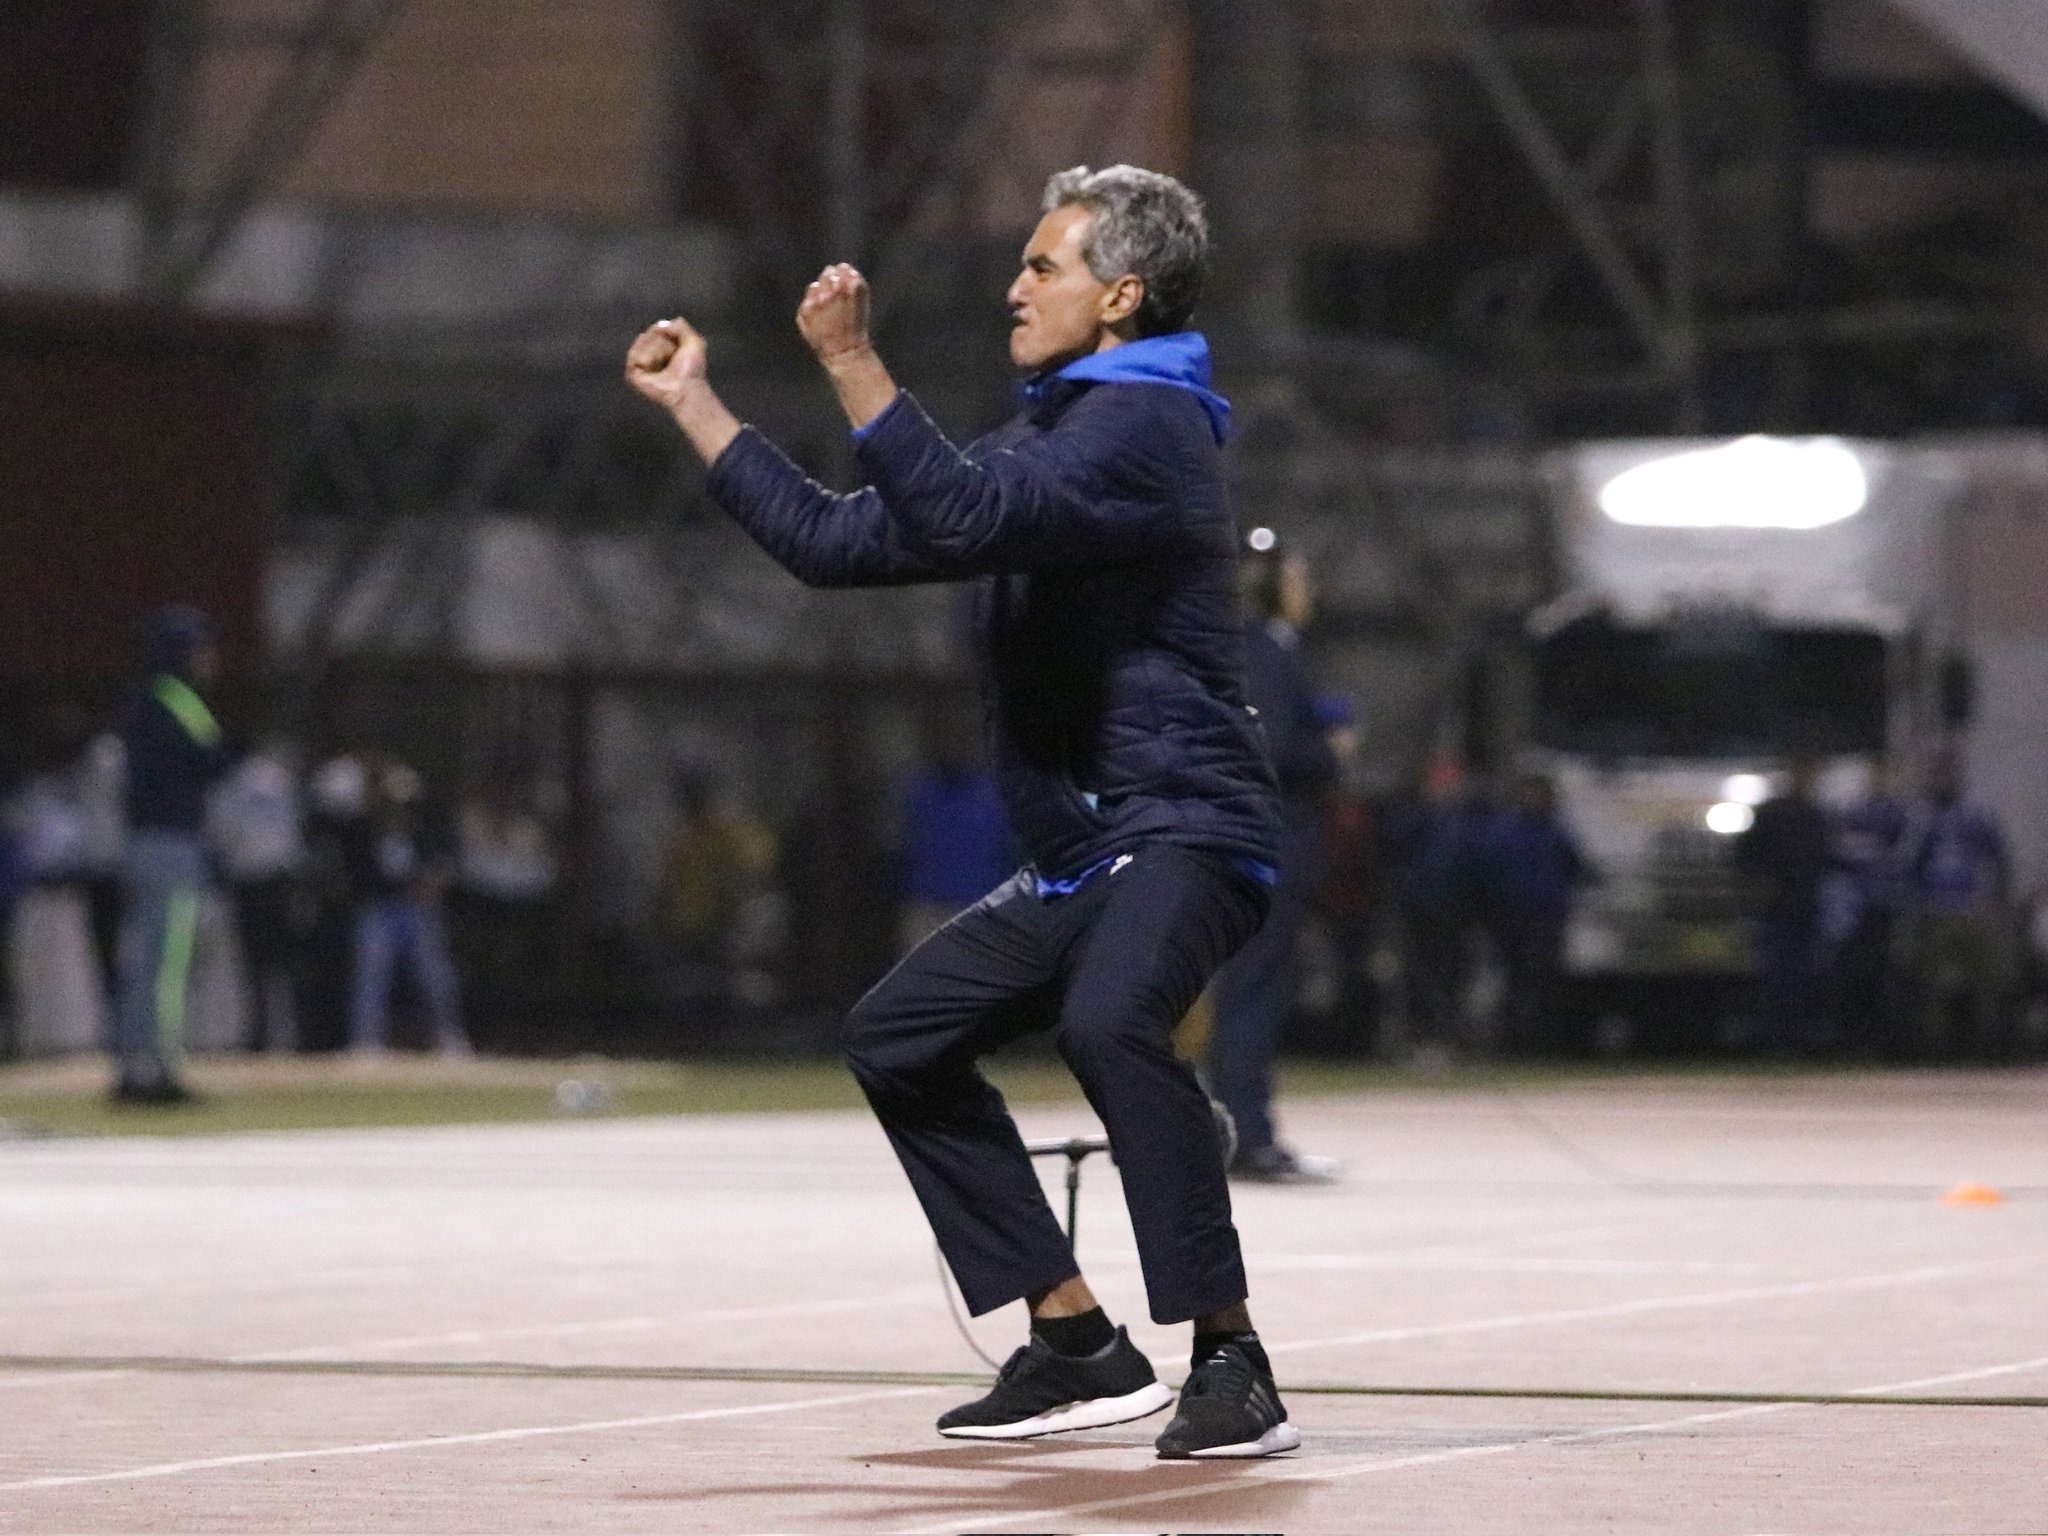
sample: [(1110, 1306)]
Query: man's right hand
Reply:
[(665, 360), (668, 364)]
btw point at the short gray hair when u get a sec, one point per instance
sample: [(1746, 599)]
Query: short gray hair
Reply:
[(1142, 223)]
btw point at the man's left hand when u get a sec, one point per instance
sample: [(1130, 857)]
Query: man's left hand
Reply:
[(833, 316)]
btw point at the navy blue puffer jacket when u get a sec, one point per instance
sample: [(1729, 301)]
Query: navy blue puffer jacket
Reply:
[(1098, 532)]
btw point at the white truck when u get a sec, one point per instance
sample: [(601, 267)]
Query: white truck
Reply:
[(1724, 607)]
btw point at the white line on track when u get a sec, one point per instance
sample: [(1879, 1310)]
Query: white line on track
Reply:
[(1654, 1304), (1955, 1378), (1802, 1117), (1296, 1472), (215, 1282), (597, 1325), (348, 1348), (56, 1378), (480, 1437), (1479, 1247), (1485, 1264), (1309, 1472)]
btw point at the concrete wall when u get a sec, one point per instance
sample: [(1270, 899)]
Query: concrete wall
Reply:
[(505, 106)]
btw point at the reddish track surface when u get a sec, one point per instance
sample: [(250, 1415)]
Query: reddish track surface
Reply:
[(269, 1333)]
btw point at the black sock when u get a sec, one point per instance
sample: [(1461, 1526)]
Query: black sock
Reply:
[(1085, 1333), (1206, 1344)]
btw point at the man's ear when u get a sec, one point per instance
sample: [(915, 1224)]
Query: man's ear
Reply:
[(1123, 299)]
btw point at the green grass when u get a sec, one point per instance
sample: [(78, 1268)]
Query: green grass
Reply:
[(319, 1093)]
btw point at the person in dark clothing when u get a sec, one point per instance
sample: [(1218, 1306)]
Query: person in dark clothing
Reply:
[(13, 881), (1860, 913), (1530, 868), (259, 842), (175, 753), (1785, 857), (1097, 530), (399, 858), (1349, 900), (1957, 875), (99, 777), (1432, 841), (1256, 991)]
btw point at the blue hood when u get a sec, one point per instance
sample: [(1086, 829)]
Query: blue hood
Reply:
[(1180, 359)]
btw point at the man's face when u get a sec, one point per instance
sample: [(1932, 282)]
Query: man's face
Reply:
[(1061, 310)]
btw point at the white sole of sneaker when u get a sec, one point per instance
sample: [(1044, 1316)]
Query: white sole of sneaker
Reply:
[(1095, 1413), (1281, 1437)]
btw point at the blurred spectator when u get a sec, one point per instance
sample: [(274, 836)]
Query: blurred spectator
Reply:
[(1347, 900), (1784, 858), (1530, 867), (337, 798), (175, 753), (1859, 911), (1255, 992), (1960, 946), (59, 994), (504, 873), (718, 862), (956, 844), (13, 881), (101, 790), (399, 855), (1432, 870), (257, 831)]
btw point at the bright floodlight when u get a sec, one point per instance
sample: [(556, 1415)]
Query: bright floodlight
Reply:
[(1753, 482), (1261, 539), (1730, 817)]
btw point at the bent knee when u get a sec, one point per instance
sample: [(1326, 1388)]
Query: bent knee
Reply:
[(1105, 1035), (883, 1055)]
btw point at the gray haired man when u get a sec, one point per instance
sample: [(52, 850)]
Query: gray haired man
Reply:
[(1097, 534)]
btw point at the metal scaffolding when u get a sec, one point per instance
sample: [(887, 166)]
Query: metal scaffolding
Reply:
[(879, 149), (187, 223), (1390, 533), (1640, 248)]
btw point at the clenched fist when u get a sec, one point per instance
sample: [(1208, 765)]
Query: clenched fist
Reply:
[(665, 360), (833, 316)]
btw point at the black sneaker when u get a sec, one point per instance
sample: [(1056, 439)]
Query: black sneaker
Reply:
[(1228, 1407), (1041, 1392)]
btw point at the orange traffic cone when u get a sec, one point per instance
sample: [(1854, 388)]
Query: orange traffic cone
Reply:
[(1973, 1194)]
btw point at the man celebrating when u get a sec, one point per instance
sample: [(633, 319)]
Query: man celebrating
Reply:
[(1096, 530)]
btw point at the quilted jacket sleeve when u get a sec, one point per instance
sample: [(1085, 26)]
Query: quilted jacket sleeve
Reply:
[(1098, 488), (822, 539)]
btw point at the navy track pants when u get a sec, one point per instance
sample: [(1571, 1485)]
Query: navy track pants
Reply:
[(1109, 970)]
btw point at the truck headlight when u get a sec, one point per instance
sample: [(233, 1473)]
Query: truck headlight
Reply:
[(1730, 817)]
